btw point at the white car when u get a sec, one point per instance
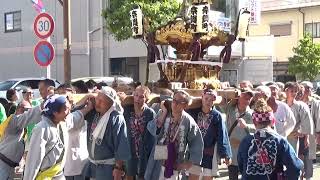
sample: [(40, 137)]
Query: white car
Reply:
[(107, 80), (21, 83)]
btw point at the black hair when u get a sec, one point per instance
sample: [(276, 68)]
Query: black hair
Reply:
[(291, 85), (10, 94), (91, 84), (270, 83), (100, 85), (81, 86), (65, 86), (138, 83), (4, 102), (48, 82), (167, 92), (265, 124)]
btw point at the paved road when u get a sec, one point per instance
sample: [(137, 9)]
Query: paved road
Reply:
[(224, 171)]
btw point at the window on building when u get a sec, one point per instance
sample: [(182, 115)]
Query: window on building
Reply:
[(117, 66), (219, 5), (280, 29), (125, 67), (313, 29), (12, 21)]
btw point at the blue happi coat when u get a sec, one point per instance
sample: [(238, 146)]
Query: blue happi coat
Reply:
[(213, 131), (263, 155), (139, 160), (189, 140), (115, 145)]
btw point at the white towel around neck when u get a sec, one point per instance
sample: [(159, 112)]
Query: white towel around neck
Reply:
[(99, 131)]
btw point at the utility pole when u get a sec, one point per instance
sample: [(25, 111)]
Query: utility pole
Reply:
[(66, 41)]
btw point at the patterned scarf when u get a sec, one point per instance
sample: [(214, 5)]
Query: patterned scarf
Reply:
[(137, 126), (204, 121), (173, 128)]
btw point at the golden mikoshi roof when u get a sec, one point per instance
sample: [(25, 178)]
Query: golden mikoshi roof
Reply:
[(177, 33)]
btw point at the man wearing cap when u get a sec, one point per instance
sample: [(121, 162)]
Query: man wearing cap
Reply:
[(214, 134), (239, 123), (314, 106), (245, 85), (301, 111), (27, 95), (107, 142), (285, 120), (179, 143), (141, 141)]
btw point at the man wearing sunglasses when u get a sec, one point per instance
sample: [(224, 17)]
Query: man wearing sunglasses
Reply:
[(27, 103), (27, 95)]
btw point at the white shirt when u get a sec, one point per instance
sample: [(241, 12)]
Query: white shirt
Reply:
[(77, 152), (285, 120)]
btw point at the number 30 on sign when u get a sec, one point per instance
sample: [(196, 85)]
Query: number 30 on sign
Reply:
[(43, 25)]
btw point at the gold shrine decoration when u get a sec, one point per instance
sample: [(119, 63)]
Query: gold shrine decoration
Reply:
[(196, 77), (178, 34), (174, 30)]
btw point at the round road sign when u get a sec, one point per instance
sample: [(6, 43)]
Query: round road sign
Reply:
[(43, 53), (43, 25)]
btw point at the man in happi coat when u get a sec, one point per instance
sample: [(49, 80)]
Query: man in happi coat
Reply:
[(263, 155), (179, 141), (141, 141), (108, 143), (214, 134)]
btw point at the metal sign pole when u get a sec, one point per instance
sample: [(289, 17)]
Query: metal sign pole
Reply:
[(49, 66), (66, 41), (43, 26)]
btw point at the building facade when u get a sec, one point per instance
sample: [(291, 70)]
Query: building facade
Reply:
[(94, 51), (287, 21)]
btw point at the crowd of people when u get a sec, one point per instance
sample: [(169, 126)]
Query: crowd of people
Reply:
[(269, 132)]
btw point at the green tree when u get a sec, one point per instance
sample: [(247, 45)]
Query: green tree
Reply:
[(157, 12), (306, 60)]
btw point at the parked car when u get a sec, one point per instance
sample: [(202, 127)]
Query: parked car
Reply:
[(108, 80), (20, 83)]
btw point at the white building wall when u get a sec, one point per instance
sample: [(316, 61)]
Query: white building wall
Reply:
[(88, 59)]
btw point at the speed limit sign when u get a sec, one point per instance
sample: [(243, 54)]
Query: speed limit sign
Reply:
[(43, 25)]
